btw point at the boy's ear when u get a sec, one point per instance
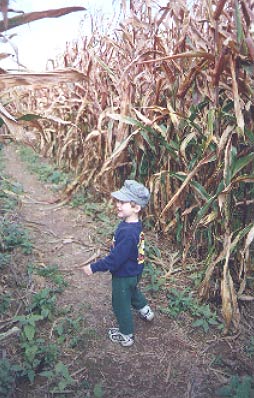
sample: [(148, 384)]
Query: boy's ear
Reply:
[(137, 208)]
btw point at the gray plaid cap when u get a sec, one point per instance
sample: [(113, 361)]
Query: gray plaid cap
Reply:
[(133, 191)]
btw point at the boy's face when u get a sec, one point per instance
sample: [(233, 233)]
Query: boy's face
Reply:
[(127, 211)]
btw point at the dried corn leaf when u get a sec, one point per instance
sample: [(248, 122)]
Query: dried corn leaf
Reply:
[(224, 139), (249, 239), (237, 105), (8, 80), (245, 297), (230, 309), (209, 158), (34, 16), (219, 8), (250, 45), (17, 131), (246, 250), (185, 143), (204, 287)]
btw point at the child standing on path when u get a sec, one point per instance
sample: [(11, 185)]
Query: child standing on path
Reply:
[(126, 262)]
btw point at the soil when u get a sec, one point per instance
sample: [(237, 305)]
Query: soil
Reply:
[(168, 360)]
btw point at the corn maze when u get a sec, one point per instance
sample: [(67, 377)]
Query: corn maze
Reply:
[(165, 96)]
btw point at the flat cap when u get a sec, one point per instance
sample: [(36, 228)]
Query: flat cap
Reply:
[(133, 191)]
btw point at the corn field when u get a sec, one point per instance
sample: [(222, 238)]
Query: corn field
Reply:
[(164, 95)]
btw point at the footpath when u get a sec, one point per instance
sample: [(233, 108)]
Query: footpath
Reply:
[(164, 362)]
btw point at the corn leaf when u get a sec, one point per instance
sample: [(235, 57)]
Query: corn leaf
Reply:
[(34, 16), (240, 163)]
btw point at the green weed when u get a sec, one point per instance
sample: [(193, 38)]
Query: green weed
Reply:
[(60, 377), (98, 391), (196, 277), (28, 324), (4, 302), (238, 387), (182, 301), (152, 251), (45, 172), (4, 260), (249, 349), (206, 317), (37, 355), (79, 199), (13, 235), (7, 378), (51, 272), (153, 274), (155, 281), (9, 195), (44, 303), (178, 301), (70, 331)]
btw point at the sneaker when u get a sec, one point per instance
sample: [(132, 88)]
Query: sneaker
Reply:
[(146, 313), (126, 340)]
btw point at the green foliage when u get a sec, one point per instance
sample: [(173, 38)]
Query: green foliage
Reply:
[(155, 281), (249, 349), (7, 378), (196, 277), (44, 303), (60, 377), (152, 251), (9, 192), (238, 387), (5, 299), (4, 260), (178, 301), (28, 322), (183, 301), (98, 391), (45, 172), (206, 317), (13, 235), (153, 273), (36, 355), (79, 199), (52, 273), (69, 329), (97, 210)]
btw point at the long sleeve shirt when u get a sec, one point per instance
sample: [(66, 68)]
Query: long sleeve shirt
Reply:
[(126, 257)]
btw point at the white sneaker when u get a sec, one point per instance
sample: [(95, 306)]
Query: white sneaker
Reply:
[(126, 340), (146, 313)]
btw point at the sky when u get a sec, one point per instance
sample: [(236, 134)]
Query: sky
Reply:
[(44, 39)]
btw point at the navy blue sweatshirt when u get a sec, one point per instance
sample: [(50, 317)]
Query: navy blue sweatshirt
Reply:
[(126, 257)]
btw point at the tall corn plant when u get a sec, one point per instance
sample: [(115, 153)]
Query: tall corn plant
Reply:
[(168, 99), (15, 125)]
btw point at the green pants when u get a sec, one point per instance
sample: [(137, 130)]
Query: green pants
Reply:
[(125, 295)]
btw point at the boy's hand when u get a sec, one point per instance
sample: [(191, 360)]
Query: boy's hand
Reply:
[(87, 270)]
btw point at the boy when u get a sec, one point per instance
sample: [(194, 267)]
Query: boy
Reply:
[(126, 262)]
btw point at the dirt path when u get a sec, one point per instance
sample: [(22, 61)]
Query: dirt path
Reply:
[(163, 363)]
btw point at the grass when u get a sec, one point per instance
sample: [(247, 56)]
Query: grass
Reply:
[(45, 171)]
